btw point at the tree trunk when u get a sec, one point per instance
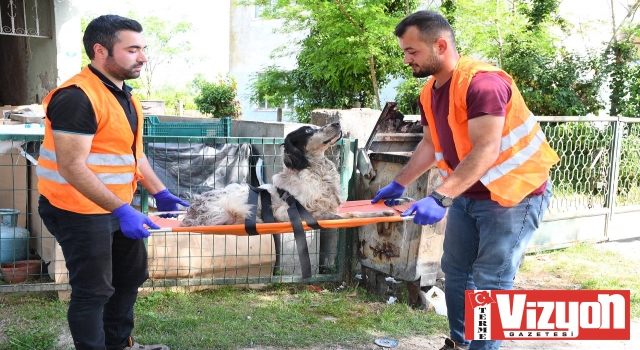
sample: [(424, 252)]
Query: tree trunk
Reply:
[(374, 81)]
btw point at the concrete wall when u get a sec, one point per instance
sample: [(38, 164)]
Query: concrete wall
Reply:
[(356, 123), (68, 41), (249, 128), (252, 41)]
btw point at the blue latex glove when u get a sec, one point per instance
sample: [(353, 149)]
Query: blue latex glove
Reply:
[(165, 201), (427, 211), (390, 192), (132, 221)]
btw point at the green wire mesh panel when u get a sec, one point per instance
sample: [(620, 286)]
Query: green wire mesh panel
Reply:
[(214, 128), (190, 166)]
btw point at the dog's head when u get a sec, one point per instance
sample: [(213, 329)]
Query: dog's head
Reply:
[(309, 141)]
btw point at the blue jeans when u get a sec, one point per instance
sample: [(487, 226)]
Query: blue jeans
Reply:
[(105, 270), (483, 245)]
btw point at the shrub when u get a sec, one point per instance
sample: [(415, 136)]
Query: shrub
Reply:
[(218, 98)]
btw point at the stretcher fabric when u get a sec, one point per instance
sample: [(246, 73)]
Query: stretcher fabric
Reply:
[(172, 225)]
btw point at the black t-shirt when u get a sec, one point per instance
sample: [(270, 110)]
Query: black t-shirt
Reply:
[(71, 111)]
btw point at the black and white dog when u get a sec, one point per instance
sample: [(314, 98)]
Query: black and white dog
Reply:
[(308, 175)]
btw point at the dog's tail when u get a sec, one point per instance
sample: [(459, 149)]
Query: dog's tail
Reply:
[(216, 208), (234, 211)]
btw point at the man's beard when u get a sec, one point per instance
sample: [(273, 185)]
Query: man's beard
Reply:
[(119, 72), (430, 68)]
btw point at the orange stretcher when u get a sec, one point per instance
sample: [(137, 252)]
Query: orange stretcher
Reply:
[(172, 225)]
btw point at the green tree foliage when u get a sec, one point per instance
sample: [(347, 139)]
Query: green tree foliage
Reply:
[(348, 54), (408, 93), (219, 98), (274, 86), (166, 43), (517, 36), (560, 84), (625, 82), (448, 9), (173, 96), (84, 21)]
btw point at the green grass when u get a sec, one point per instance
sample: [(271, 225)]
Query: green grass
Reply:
[(289, 315), (591, 268), (32, 340), (282, 316), (229, 318), (31, 321)]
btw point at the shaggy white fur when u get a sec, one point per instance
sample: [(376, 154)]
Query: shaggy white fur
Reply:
[(308, 175)]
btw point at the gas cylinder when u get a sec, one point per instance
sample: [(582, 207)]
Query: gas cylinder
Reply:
[(14, 241)]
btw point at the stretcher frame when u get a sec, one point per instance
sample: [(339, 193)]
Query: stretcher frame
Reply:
[(172, 225)]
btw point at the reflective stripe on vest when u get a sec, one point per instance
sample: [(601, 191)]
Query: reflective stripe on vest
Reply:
[(106, 178), (92, 159), (521, 156), (507, 142), (442, 167), (518, 133), (515, 161)]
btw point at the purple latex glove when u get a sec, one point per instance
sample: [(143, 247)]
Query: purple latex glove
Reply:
[(132, 221), (390, 192), (165, 201), (427, 211)]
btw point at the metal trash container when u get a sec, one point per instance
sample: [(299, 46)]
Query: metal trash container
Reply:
[(403, 250)]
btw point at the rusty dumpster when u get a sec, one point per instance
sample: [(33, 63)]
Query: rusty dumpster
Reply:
[(404, 251)]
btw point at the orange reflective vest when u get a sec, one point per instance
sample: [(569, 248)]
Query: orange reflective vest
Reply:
[(525, 155), (110, 158)]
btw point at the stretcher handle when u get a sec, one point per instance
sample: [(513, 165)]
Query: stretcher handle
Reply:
[(158, 213), (398, 201), (160, 230)]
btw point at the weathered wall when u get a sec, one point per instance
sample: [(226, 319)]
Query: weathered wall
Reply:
[(41, 68), (31, 66)]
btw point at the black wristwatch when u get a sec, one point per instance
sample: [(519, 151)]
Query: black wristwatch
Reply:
[(443, 200)]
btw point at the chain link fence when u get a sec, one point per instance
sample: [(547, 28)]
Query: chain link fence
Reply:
[(599, 162)]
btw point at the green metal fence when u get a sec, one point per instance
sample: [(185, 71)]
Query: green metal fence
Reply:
[(599, 165), (183, 259)]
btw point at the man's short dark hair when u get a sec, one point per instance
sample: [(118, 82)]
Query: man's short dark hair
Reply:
[(431, 25), (104, 30)]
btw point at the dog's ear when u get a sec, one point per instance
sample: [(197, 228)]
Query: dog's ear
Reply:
[(294, 157)]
